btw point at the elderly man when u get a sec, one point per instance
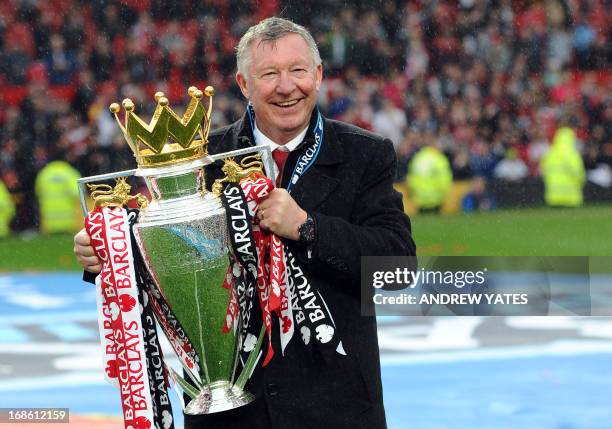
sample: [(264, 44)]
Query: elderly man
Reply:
[(338, 205)]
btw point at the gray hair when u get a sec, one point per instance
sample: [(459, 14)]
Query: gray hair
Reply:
[(268, 31)]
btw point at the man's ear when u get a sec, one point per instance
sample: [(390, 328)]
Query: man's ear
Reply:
[(319, 76), (242, 83)]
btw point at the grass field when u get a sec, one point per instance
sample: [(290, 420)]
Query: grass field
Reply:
[(527, 232), (583, 231)]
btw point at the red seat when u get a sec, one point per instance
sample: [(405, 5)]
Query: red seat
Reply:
[(64, 92), (13, 95)]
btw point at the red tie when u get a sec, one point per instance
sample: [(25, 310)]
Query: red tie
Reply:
[(280, 157)]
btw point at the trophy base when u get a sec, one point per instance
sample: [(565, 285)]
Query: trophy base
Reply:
[(219, 396)]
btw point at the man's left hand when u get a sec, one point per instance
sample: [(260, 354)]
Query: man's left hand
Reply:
[(281, 215)]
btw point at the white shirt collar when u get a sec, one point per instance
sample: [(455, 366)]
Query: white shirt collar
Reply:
[(262, 140)]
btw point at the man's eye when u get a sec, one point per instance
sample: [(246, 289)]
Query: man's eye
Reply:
[(269, 74)]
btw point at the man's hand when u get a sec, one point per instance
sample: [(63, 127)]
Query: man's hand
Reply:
[(280, 214), (85, 253)]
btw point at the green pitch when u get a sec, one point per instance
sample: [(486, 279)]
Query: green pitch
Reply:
[(37, 253), (584, 231)]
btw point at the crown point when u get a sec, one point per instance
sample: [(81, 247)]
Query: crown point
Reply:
[(149, 141), (128, 104), (192, 90), (159, 95), (209, 91)]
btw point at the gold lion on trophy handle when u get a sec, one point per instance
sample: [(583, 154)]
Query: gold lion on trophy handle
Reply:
[(117, 196), (235, 172)]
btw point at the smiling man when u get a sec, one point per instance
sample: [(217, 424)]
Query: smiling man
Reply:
[(334, 203), (281, 78)]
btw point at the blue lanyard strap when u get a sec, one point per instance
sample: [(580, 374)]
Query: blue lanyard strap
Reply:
[(251, 113), (308, 158)]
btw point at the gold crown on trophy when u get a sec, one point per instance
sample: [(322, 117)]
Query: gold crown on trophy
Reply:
[(168, 138)]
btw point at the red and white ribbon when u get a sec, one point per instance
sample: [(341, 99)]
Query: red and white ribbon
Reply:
[(125, 357), (271, 277)]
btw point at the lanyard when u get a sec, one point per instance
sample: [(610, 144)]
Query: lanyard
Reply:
[(308, 158)]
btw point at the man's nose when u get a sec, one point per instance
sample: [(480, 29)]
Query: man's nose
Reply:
[(285, 85)]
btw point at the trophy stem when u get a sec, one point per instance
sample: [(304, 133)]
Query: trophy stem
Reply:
[(201, 330), (251, 361), (218, 396)]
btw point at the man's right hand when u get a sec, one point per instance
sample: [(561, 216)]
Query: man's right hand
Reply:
[(85, 253)]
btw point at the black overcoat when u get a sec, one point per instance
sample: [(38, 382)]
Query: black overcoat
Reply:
[(349, 191)]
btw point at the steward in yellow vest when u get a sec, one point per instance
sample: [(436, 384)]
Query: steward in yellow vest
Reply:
[(563, 171), (58, 197), (7, 210), (429, 178)]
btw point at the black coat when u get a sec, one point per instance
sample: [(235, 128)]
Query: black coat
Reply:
[(349, 192)]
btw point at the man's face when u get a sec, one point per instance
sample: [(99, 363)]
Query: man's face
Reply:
[(281, 83)]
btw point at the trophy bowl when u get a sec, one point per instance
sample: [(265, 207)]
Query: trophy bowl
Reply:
[(183, 238)]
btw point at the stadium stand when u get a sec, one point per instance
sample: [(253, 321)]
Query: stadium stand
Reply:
[(479, 79)]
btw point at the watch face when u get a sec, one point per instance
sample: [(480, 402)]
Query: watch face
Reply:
[(307, 231)]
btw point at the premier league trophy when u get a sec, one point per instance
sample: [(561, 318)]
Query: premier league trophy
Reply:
[(182, 235)]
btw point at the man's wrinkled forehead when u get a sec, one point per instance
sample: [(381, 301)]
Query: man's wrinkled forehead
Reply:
[(266, 43), (270, 43)]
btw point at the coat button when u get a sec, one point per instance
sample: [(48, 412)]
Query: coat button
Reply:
[(271, 390)]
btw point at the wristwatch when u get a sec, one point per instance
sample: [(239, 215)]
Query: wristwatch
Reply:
[(307, 231)]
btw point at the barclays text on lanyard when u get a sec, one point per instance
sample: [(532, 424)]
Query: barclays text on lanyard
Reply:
[(309, 156)]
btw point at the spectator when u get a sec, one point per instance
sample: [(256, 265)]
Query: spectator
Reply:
[(560, 47), (417, 58), (511, 167), (478, 199), (61, 64), (584, 38), (102, 59), (58, 197), (461, 166), (482, 160), (334, 46), (429, 179), (14, 65), (7, 210), (137, 62), (73, 30), (563, 171), (390, 122)]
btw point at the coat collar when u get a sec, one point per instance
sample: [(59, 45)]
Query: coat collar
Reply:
[(331, 152), (318, 183)]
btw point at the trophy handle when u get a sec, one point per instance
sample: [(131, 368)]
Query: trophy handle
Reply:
[(264, 151), (85, 181), (235, 172), (118, 196)]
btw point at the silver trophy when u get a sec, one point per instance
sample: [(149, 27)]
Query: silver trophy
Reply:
[(183, 237)]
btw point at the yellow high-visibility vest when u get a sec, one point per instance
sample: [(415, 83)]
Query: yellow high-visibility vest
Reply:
[(58, 197), (429, 178), (563, 171), (7, 210)]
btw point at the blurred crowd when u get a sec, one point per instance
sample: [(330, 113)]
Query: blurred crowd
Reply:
[(486, 82)]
